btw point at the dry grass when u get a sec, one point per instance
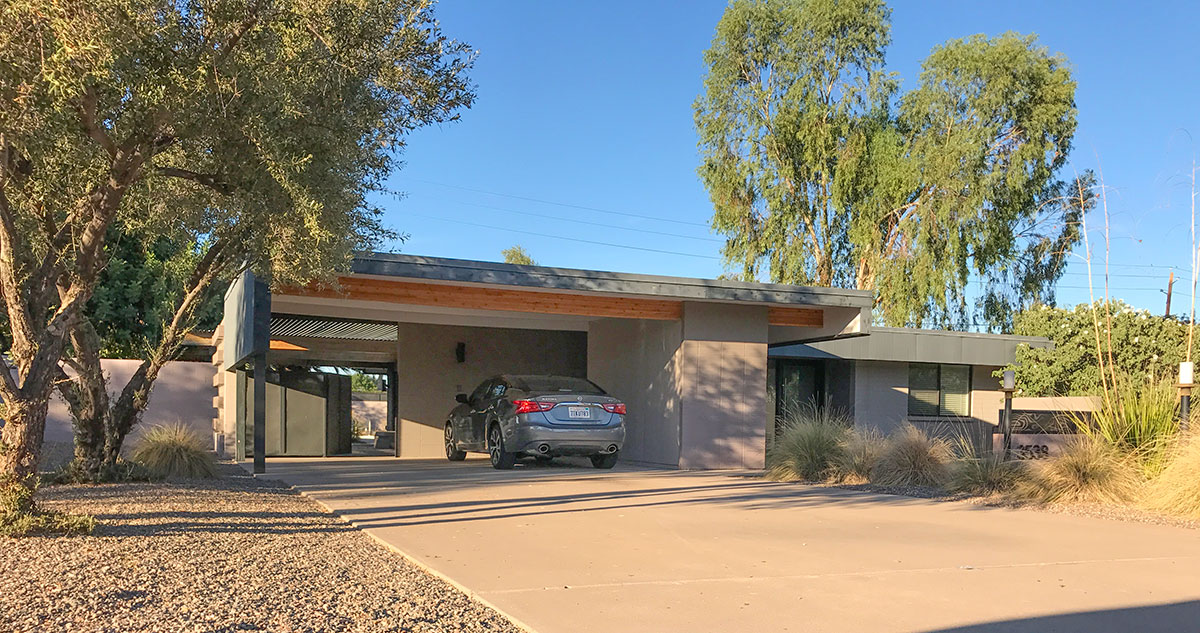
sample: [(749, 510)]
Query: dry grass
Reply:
[(860, 454), (1177, 488), (809, 446), (174, 451), (912, 458), (985, 475), (1088, 470)]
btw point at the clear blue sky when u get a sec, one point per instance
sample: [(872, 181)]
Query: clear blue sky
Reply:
[(588, 106)]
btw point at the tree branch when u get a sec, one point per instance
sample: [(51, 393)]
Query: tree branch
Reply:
[(212, 181), (87, 115)]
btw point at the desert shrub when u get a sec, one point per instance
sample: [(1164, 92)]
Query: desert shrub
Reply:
[(811, 443), (1087, 470), (985, 474), (912, 458), (1139, 419), (19, 516), (174, 450), (1177, 488), (979, 473), (860, 454), (73, 473)]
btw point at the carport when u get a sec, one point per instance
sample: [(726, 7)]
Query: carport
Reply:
[(689, 356)]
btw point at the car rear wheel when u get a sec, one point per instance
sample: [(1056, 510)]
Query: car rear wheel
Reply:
[(452, 452), (501, 459), (605, 461)]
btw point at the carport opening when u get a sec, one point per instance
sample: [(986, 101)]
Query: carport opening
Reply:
[(343, 387)]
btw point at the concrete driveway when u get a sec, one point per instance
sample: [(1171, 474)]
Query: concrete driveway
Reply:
[(569, 549)]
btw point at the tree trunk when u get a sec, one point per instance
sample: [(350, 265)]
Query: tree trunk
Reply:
[(86, 396), (21, 438)]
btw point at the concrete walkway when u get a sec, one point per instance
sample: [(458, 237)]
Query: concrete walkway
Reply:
[(569, 549)]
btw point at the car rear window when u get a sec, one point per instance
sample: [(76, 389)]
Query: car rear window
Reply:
[(556, 383)]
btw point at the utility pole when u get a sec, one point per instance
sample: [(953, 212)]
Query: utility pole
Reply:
[(1170, 283)]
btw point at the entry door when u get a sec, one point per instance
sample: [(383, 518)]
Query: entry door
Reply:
[(798, 384)]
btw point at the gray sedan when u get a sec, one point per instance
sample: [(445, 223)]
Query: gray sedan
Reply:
[(536, 416)]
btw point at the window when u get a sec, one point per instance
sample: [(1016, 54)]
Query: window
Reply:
[(939, 390)]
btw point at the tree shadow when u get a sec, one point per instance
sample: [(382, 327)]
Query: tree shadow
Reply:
[(1175, 617)]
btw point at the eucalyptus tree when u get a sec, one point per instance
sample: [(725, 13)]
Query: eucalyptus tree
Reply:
[(253, 131), (822, 172)]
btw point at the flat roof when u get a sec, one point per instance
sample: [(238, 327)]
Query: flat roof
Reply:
[(917, 346), (685, 288)]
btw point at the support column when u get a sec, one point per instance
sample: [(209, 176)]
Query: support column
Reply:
[(260, 413), (392, 391)]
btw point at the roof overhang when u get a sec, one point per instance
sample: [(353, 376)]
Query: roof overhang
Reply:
[(917, 346), (458, 289)]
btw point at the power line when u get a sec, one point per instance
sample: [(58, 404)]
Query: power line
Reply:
[(601, 224), (563, 237), (562, 204)]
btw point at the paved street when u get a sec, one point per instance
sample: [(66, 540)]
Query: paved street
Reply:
[(569, 549)]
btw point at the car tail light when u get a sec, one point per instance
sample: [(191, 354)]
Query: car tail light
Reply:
[(532, 406), (618, 408)]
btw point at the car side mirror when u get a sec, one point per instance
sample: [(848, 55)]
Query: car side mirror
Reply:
[(461, 397)]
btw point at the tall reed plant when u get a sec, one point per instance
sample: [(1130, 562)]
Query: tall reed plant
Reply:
[(1139, 420)]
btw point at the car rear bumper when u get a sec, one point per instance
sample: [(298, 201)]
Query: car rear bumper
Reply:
[(551, 441)]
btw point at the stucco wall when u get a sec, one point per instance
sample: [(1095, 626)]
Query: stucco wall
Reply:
[(881, 402), (880, 395), (723, 386), (429, 375), (184, 392), (638, 361)]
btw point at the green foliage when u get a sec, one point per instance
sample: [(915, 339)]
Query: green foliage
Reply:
[(137, 291), (1177, 488), (1138, 420), (819, 169), (19, 516), (811, 443), (364, 382), (263, 124), (517, 255), (1086, 471), (912, 458), (174, 450), (1145, 348)]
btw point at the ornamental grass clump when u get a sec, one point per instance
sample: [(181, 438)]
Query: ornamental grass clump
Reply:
[(985, 475), (912, 458), (174, 451), (811, 443), (1177, 488), (1087, 470), (982, 474), (860, 454)]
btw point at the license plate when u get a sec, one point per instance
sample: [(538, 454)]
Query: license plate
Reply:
[(579, 412)]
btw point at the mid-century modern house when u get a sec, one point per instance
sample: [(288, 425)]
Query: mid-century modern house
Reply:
[(707, 367)]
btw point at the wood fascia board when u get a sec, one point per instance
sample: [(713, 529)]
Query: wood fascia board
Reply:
[(490, 298)]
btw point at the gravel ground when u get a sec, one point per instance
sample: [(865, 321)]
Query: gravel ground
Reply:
[(231, 554)]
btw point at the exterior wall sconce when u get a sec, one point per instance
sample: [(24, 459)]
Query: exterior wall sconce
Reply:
[(460, 352)]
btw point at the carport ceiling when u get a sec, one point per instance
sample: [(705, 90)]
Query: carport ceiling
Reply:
[(291, 326)]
